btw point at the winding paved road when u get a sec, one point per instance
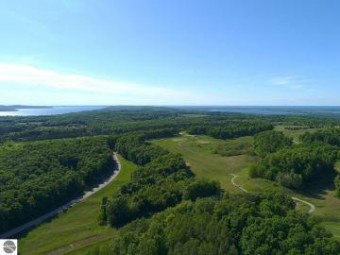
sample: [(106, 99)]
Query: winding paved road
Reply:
[(311, 206), (70, 204)]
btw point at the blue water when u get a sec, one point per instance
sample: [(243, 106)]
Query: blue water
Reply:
[(332, 111), (329, 111), (50, 111)]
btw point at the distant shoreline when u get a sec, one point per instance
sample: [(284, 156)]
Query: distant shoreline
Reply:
[(20, 111), (321, 111), (15, 108)]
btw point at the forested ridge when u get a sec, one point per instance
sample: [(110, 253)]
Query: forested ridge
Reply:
[(49, 173), (230, 130), (36, 177), (165, 208), (120, 120)]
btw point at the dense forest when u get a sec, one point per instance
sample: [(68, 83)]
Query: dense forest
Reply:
[(120, 120), (46, 161), (329, 136), (294, 167), (37, 177), (163, 181), (229, 224), (230, 130)]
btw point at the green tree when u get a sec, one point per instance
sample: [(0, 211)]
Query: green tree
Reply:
[(337, 186), (270, 141)]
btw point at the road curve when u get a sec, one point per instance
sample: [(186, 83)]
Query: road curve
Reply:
[(236, 185), (311, 206), (62, 208)]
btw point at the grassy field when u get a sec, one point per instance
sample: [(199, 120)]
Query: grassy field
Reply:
[(76, 230), (198, 151), (295, 134)]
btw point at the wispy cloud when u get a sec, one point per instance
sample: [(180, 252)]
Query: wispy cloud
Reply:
[(292, 82), (28, 75)]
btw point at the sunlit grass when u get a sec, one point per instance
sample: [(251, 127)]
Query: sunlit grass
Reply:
[(78, 227), (198, 151)]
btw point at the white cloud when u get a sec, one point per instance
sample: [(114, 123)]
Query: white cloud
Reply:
[(289, 82), (28, 84), (282, 80), (24, 75)]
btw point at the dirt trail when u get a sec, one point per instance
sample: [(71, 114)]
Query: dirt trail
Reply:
[(311, 206)]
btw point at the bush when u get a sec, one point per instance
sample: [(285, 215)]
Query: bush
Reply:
[(202, 188), (290, 180)]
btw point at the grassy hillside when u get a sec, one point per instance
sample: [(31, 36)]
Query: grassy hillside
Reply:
[(77, 228), (198, 151)]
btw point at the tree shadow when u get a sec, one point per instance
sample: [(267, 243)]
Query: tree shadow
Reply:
[(25, 232), (318, 187)]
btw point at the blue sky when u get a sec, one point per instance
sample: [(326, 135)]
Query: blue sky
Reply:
[(151, 52)]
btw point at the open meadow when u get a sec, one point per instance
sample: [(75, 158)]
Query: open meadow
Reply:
[(200, 153)]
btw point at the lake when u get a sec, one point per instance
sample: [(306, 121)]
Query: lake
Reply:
[(50, 111), (330, 111), (327, 111)]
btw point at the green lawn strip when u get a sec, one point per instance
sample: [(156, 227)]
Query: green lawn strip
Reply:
[(77, 224), (91, 247)]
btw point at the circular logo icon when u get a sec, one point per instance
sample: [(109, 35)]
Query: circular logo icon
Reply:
[(9, 247)]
